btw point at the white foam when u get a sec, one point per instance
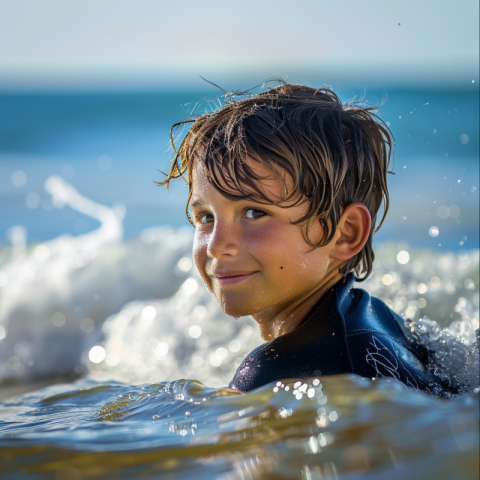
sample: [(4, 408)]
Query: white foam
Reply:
[(87, 276)]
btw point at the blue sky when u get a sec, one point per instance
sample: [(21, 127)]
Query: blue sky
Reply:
[(96, 44)]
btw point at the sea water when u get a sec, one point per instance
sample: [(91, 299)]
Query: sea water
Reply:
[(112, 303), (111, 146), (134, 319), (328, 428)]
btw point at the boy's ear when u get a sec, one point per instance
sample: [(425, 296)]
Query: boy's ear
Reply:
[(352, 233)]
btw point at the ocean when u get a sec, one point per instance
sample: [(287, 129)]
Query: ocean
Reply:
[(98, 291), (436, 160)]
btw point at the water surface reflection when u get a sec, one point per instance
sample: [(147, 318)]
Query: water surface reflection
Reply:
[(332, 427)]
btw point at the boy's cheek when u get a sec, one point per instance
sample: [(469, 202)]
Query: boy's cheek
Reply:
[(200, 257), (200, 244)]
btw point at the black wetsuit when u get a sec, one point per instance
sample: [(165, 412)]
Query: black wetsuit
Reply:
[(348, 331)]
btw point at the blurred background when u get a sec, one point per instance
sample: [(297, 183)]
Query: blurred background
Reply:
[(88, 92)]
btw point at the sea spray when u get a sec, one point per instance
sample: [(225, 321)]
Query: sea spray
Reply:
[(55, 296), (437, 294)]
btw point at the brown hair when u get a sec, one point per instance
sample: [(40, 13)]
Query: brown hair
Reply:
[(336, 155)]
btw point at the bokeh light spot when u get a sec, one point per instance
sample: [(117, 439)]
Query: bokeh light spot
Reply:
[(222, 353), (58, 319), (32, 200), (104, 162), (197, 360), (148, 314), (234, 346), (185, 264), (195, 331), (18, 179), (443, 212), (161, 350), (403, 257), (215, 361), (387, 280), (87, 325), (41, 253), (454, 211), (422, 288), (112, 359), (469, 284), (97, 354), (333, 416), (119, 209)]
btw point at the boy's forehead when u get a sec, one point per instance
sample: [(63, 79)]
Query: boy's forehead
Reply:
[(273, 184)]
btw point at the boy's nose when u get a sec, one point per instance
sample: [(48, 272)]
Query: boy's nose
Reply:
[(222, 241)]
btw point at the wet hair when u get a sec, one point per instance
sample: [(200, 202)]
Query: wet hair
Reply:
[(336, 154)]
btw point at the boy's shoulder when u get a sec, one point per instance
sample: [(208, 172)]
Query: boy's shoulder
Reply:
[(375, 339), (363, 313)]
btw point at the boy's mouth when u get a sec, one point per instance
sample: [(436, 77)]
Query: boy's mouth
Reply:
[(232, 277)]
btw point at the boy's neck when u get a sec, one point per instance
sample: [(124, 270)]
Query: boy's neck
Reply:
[(273, 324)]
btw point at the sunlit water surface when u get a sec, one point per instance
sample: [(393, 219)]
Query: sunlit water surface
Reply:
[(340, 427)]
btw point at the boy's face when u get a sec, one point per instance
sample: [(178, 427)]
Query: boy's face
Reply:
[(249, 254)]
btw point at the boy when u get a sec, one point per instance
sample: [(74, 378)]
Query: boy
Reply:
[(284, 191)]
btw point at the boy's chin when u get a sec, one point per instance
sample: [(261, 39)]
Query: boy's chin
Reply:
[(236, 307), (236, 311)]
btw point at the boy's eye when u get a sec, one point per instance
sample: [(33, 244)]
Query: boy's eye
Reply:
[(253, 213), (204, 218)]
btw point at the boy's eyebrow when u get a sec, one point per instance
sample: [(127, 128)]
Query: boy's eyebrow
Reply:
[(197, 203)]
